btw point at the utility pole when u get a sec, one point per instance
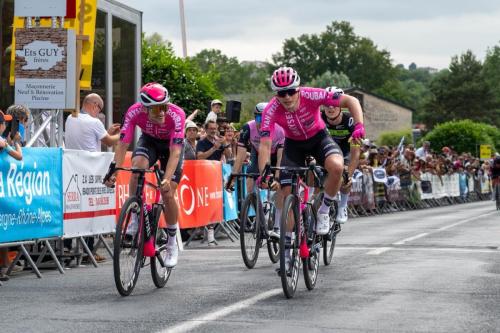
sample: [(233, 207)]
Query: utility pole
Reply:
[(183, 28)]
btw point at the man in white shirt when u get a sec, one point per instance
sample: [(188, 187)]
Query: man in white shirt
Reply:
[(216, 108), (86, 131), (423, 151)]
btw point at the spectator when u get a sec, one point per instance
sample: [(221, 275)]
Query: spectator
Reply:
[(20, 113), (6, 148), (214, 148), (215, 109), (86, 132), (423, 151), (190, 141), (10, 145)]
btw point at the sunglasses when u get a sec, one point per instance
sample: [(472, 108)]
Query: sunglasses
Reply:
[(289, 92), (157, 109)]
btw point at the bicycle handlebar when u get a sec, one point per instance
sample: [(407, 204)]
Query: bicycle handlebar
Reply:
[(112, 169)]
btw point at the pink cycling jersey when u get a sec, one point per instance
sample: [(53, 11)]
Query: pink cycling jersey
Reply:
[(303, 123), (172, 129)]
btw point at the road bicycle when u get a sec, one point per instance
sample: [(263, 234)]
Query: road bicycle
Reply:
[(132, 250), (256, 220), (299, 210)]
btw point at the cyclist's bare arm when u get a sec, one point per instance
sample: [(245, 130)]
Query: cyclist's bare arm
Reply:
[(241, 155), (264, 153), (121, 150), (279, 156), (173, 160), (354, 107), (355, 152)]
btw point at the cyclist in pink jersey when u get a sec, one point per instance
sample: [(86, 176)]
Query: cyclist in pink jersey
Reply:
[(162, 126), (297, 110)]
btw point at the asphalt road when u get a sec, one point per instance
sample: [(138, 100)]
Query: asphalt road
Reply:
[(435, 270)]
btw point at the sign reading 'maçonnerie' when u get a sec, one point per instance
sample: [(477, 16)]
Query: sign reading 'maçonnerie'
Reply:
[(44, 68)]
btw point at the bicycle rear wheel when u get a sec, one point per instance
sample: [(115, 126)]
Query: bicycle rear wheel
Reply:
[(330, 238), (159, 273), (250, 239), (497, 196), (127, 255), (273, 246), (310, 265), (290, 277)]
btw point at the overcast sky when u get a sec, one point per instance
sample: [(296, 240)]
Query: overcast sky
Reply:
[(427, 32)]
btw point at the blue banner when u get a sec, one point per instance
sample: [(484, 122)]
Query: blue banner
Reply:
[(31, 195), (230, 199)]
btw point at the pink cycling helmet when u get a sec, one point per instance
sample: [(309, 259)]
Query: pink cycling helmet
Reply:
[(285, 78), (154, 94)]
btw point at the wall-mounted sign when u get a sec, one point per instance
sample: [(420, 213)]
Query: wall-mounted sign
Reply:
[(40, 8), (45, 68)]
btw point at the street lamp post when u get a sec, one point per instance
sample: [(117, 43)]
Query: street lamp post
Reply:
[(183, 28)]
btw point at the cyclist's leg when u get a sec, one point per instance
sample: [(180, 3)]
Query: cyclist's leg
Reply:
[(344, 196), (143, 157), (329, 155), (253, 167)]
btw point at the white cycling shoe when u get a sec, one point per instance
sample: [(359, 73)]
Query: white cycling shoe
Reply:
[(171, 256), (323, 224), (342, 215)]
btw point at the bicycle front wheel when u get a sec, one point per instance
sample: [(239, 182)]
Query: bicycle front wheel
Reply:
[(289, 275), (273, 246), (127, 255), (310, 265), (159, 272), (250, 239)]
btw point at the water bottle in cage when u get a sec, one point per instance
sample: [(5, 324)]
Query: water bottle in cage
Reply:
[(149, 245)]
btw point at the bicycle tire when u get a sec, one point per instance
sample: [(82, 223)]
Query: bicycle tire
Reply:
[(310, 265), (329, 239), (159, 273), (273, 247), (289, 280), (497, 196), (124, 249), (250, 239)]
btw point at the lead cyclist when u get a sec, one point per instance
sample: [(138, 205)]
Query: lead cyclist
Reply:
[(297, 110), (162, 125)]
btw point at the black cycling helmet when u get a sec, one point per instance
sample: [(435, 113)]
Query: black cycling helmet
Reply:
[(259, 108)]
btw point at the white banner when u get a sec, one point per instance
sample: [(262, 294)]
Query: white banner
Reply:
[(426, 189), (89, 206)]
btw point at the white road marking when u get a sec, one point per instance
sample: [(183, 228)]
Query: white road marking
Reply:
[(379, 250), (409, 239), (212, 316), (465, 221)]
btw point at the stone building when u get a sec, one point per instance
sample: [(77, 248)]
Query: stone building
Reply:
[(381, 114)]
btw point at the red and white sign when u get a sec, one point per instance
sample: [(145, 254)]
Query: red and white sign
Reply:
[(89, 206)]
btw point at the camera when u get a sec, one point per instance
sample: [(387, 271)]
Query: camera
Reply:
[(12, 128), (222, 132)]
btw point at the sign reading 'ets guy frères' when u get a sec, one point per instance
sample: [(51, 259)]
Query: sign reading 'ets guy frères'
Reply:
[(45, 68)]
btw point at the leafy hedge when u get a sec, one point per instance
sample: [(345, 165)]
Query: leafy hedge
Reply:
[(392, 138), (463, 136), (187, 86)]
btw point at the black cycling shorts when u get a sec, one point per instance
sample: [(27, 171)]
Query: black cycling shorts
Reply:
[(295, 152), (155, 149), (253, 167)]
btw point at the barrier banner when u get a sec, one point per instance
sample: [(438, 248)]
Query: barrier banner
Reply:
[(200, 194), (89, 206), (368, 194), (485, 184), (393, 189), (438, 190), (356, 194), (426, 186), (31, 195), (230, 198)]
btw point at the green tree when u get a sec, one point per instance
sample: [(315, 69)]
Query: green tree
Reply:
[(328, 79), (491, 72), (340, 50), (392, 138), (187, 86), (460, 93), (463, 136)]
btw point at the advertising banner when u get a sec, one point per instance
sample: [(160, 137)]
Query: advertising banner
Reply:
[(426, 186), (200, 194), (356, 194), (70, 22), (89, 206), (31, 195), (230, 198)]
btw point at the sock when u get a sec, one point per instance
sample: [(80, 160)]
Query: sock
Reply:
[(171, 231), (325, 204), (343, 200), (277, 218)]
